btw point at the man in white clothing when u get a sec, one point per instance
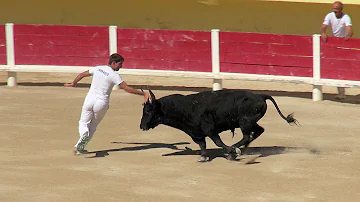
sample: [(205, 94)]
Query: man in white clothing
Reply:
[(340, 23), (96, 102), (341, 27)]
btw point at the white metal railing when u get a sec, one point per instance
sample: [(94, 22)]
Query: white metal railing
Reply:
[(216, 74)]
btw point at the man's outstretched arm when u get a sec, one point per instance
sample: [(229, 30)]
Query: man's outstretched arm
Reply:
[(78, 78), (129, 89)]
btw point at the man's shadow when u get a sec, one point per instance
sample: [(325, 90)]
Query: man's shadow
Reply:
[(143, 146)]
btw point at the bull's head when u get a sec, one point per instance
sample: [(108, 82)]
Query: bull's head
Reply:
[(151, 113)]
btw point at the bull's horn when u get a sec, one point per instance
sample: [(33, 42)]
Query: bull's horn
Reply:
[(152, 95)]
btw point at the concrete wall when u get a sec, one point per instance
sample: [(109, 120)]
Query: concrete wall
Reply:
[(231, 15)]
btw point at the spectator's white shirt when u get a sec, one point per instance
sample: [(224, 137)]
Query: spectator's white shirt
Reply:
[(104, 79), (337, 24)]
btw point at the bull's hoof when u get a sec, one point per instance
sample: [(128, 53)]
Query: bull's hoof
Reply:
[(203, 159), (237, 151), (231, 157)]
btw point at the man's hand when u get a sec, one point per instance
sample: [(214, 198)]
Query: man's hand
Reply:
[(146, 97), (69, 84), (347, 38), (324, 37)]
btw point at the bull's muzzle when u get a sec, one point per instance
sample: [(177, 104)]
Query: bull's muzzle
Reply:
[(144, 128)]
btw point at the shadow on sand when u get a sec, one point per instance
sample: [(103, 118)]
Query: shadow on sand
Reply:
[(212, 153), (143, 146), (255, 151)]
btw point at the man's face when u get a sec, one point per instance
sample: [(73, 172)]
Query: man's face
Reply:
[(117, 65), (337, 9)]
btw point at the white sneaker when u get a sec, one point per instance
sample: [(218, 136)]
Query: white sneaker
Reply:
[(83, 142), (80, 152)]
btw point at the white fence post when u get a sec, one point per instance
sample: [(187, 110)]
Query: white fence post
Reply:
[(215, 58), (113, 44), (10, 54), (317, 89), (112, 39)]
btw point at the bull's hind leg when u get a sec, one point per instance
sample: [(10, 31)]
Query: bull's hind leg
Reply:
[(246, 130), (255, 133), (202, 143), (230, 152), (208, 127), (250, 133)]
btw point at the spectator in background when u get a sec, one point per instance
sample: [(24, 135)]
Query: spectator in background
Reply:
[(96, 102), (341, 27)]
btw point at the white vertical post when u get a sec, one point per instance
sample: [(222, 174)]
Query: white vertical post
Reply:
[(113, 45), (215, 58), (10, 54), (317, 89), (112, 39)]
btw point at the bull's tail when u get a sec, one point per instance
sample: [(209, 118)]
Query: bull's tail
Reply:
[(290, 118)]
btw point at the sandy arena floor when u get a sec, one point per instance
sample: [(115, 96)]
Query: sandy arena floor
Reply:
[(318, 161)]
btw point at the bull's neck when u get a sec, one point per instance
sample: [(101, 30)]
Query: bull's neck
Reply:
[(172, 116)]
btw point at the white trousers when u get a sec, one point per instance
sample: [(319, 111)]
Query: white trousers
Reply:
[(93, 111)]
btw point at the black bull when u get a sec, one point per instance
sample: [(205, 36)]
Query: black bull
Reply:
[(209, 113)]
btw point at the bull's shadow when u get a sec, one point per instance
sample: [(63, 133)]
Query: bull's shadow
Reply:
[(219, 152), (143, 146), (212, 153)]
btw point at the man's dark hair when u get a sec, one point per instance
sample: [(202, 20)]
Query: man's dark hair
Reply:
[(340, 3), (115, 57)]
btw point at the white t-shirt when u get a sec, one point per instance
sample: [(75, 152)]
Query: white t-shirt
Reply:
[(103, 81), (337, 24)]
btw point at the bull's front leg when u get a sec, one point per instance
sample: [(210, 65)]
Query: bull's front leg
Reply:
[(202, 143)]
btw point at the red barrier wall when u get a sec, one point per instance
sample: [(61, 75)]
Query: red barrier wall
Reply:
[(165, 49), (2, 45), (61, 45), (340, 59), (254, 53)]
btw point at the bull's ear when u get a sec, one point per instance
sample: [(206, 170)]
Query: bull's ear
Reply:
[(152, 95)]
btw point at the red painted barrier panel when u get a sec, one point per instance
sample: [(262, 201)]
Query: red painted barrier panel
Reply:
[(61, 45), (269, 54), (340, 59), (165, 49), (254, 53), (2, 45)]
